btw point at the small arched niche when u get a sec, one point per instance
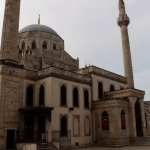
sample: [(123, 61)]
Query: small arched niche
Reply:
[(105, 121), (54, 46), (112, 88), (44, 45), (33, 45), (23, 45)]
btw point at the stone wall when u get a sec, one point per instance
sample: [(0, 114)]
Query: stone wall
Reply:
[(11, 96), (115, 135)]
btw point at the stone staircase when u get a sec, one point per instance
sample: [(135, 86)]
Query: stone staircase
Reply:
[(48, 146), (142, 141)]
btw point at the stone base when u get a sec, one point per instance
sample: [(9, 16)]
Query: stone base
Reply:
[(113, 141)]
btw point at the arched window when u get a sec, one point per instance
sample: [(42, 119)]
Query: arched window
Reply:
[(86, 99), (123, 121), (29, 96), (75, 97), (105, 121), (23, 45), (54, 46), (45, 45), (100, 90), (41, 95), (33, 45), (112, 88), (63, 95), (63, 126)]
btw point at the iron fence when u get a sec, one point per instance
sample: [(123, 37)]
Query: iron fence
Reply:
[(64, 140)]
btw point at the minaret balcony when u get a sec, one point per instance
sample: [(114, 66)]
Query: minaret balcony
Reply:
[(123, 20)]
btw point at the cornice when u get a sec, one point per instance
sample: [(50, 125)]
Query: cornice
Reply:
[(45, 73), (125, 93)]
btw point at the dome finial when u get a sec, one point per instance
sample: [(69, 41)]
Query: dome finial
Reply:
[(39, 19)]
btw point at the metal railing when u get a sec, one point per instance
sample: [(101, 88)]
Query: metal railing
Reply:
[(63, 138)]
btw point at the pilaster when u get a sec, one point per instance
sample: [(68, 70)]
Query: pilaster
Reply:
[(143, 117)]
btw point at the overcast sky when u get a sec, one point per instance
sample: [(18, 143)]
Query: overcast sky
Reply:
[(90, 32)]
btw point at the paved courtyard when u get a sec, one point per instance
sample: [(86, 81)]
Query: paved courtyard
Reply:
[(121, 148)]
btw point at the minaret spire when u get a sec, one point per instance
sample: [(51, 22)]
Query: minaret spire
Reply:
[(123, 21), (9, 51), (39, 19)]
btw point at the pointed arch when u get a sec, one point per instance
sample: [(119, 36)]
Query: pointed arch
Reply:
[(23, 45), (86, 99), (112, 88), (105, 121), (33, 45), (41, 95), (63, 126), (63, 95), (29, 96), (44, 45), (75, 97), (100, 90), (123, 121), (54, 46)]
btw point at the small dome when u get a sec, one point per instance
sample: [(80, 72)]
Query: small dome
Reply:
[(38, 27)]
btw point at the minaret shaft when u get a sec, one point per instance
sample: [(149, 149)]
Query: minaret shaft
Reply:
[(9, 50), (123, 22)]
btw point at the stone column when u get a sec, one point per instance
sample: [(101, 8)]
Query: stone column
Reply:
[(132, 120), (143, 117), (123, 21), (9, 51), (148, 125)]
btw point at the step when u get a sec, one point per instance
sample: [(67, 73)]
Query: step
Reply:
[(142, 141), (47, 147)]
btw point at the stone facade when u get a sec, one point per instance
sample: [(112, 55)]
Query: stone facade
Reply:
[(89, 105)]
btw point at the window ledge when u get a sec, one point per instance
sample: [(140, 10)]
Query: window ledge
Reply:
[(63, 106)]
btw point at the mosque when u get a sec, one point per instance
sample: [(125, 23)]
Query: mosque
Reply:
[(48, 102)]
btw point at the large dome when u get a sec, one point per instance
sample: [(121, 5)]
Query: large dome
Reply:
[(38, 27)]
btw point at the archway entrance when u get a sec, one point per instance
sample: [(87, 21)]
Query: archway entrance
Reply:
[(138, 119), (63, 126)]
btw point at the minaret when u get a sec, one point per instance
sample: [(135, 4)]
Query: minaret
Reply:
[(123, 22), (9, 51)]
